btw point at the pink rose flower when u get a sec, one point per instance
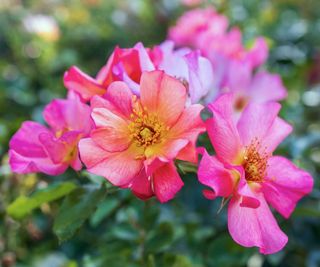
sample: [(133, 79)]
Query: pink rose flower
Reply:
[(245, 171), (136, 139), (128, 64), (36, 148), (194, 23), (258, 87), (190, 68), (123, 64), (231, 62)]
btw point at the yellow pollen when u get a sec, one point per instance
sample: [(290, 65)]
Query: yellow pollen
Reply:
[(145, 128), (60, 132), (255, 162)]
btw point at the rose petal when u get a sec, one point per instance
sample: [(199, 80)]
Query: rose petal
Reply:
[(222, 131), (162, 95), (255, 227), (76, 80), (166, 182), (213, 174), (285, 185)]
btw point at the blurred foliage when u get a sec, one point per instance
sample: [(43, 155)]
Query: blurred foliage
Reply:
[(112, 227)]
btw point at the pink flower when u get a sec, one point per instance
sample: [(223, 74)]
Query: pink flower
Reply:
[(258, 87), (229, 46), (123, 64), (137, 139), (193, 24), (229, 58), (245, 170), (36, 148), (128, 64), (189, 67), (232, 65)]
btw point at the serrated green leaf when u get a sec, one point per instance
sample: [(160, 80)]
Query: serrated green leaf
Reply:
[(75, 209), (24, 205)]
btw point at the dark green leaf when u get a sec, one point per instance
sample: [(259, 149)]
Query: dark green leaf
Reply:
[(306, 212), (160, 238), (23, 205), (124, 231), (237, 255), (75, 209), (103, 210)]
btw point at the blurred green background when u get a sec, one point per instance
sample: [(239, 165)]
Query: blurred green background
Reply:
[(40, 39)]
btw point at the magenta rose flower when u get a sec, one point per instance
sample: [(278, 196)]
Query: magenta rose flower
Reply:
[(246, 171)]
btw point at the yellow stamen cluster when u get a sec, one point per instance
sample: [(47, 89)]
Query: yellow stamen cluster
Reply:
[(145, 128), (255, 162), (71, 154), (60, 132)]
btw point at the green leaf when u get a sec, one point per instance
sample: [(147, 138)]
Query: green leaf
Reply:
[(236, 256), (75, 209), (306, 212), (23, 205), (186, 167), (104, 210), (124, 231), (160, 238)]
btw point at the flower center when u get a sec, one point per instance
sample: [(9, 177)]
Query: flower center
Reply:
[(240, 103), (255, 162), (145, 128)]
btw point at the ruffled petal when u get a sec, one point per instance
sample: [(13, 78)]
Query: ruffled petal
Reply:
[(111, 138), (162, 95), (212, 173), (141, 186), (107, 119), (118, 100), (112, 133), (26, 140), (22, 164), (188, 153), (247, 192), (55, 149), (239, 76), (267, 87), (256, 120), (119, 168), (251, 227), (189, 125), (201, 78), (126, 60), (68, 114), (145, 60), (27, 154), (278, 131), (64, 149), (258, 54), (166, 182), (120, 96), (285, 185), (166, 151), (76, 80), (222, 131)]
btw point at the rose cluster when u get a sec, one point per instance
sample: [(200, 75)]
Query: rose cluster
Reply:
[(141, 113)]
